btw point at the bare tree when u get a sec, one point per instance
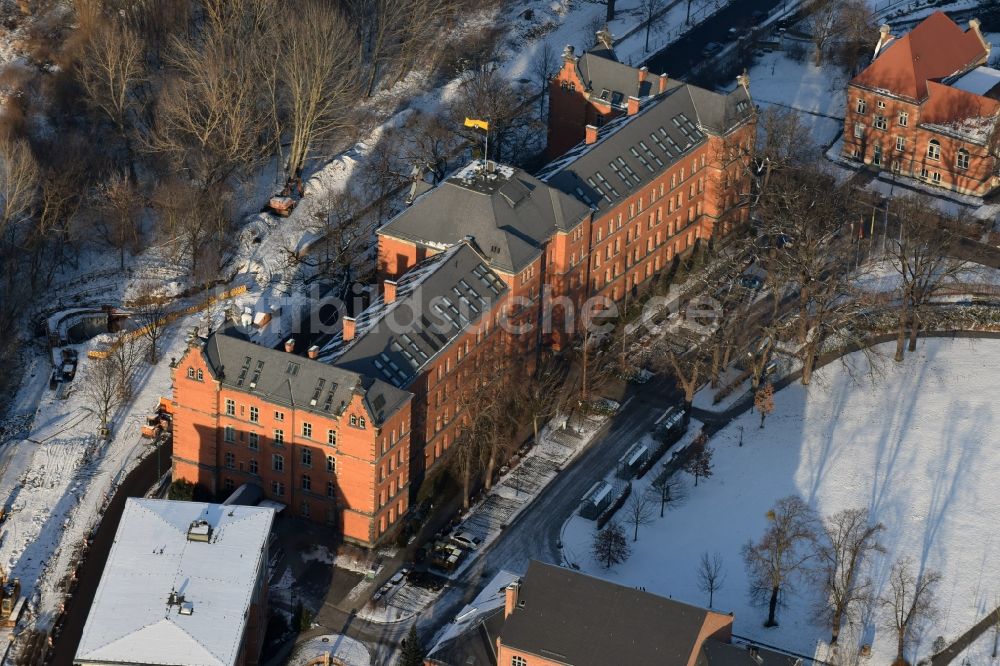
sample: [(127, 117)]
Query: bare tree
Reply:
[(922, 257), (667, 489), (485, 93), (120, 205), (102, 387), (688, 368), (699, 462), (211, 118), (780, 557), (763, 400), (344, 233), (638, 512), (908, 603), (150, 315), (610, 546), (848, 539), (711, 576), (111, 68), (544, 67), (652, 15), (127, 354), (19, 181), (197, 223), (318, 70)]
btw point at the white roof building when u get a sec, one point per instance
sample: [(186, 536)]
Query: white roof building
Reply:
[(178, 585)]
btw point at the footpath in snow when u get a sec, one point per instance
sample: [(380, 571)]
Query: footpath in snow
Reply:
[(916, 448)]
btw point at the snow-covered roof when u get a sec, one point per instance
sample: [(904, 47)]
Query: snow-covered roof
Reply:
[(979, 81), (131, 621)]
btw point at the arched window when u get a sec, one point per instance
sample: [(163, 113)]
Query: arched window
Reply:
[(962, 161), (934, 150)]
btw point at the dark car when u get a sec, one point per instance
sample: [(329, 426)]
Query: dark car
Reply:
[(751, 282)]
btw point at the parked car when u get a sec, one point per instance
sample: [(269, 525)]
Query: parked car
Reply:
[(605, 406), (751, 282), (466, 540)]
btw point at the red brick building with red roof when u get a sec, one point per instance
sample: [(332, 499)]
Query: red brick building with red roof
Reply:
[(927, 107)]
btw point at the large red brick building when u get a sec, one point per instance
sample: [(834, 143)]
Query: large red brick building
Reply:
[(927, 107), (493, 261)]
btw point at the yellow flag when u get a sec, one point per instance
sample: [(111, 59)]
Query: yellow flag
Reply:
[(481, 124)]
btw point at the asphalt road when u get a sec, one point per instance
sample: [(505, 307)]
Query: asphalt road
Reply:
[(534, 534), (681, 56)]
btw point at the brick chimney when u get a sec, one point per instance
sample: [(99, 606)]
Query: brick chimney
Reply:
[(348, 329), (975, 26), (883, 38), (290, 345), (663, 83), (590, 134), (643, 73), (313, 352), (510, 598), (633, 105), (389, 291)]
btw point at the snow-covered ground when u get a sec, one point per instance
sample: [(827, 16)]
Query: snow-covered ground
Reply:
[(345, 651), (915, 448)]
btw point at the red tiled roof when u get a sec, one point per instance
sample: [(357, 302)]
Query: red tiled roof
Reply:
[(935, 49), (947, 105)]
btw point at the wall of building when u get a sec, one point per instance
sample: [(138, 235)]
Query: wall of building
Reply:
[(339, 474), (571, 110), (879, 148)]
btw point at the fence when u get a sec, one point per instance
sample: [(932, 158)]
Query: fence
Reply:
[(166, 319)]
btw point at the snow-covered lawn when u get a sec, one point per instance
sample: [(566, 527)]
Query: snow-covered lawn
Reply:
[(916, 448)]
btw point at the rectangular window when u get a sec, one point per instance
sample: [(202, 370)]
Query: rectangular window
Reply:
[(880, 123), (277, 488), (880, 104), (279, 436), (331, 437), (230, 407), (307, 430), (900, 143), (252, 465), (862, 106), (230, 434), (962, 162), (877, 155), (230, 460), (306, 482), (936, 177), (934, 150), (253, 441), (254, 415), (279, 416), (331, 489), (331, 464), (904, 118), (859, 130), (307, 457), (278, 462)]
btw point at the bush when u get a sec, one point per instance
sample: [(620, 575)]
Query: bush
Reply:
[(182, 490)]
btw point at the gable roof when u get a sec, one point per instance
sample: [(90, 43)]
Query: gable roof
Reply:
[(601, 73), (936, 49), (435, 302), (295, 381), (632, 150), (508, 213), (585, 621), (959, 113), (130, 621)]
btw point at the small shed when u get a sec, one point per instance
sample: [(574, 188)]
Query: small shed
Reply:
[(597, 499), (634, 458)]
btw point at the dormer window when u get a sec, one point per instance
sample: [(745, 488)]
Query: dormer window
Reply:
[(605, 94)]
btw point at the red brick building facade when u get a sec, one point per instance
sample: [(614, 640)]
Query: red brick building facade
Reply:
[(331, 445), (492, 263), (927, 107)]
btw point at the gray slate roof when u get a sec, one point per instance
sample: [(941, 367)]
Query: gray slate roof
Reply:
[(435, 301), (509, 217), (601, 72), (715, 653), (293, 380), (584, 621), (632, 150), (474, 647)]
